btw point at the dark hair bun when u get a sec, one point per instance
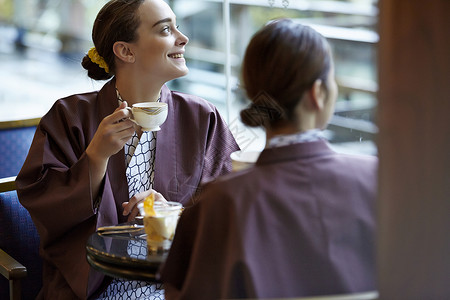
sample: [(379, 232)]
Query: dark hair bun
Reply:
[(251, 118), (263, 111), (94, 70)]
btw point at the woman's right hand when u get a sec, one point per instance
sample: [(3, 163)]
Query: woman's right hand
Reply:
[(111, 135)]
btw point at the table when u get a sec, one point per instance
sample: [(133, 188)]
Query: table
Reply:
[(124, 255)]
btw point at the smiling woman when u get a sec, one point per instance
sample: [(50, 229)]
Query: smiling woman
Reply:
[(91, 159)]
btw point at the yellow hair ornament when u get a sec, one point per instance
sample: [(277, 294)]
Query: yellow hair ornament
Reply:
[(96, 58)]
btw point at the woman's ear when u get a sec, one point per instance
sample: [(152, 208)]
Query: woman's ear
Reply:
[(317, 95), (123, 52)]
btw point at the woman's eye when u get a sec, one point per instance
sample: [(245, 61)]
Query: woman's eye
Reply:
[(168, 29)]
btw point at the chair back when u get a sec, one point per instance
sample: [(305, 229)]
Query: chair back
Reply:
[(20, 240), (15, 141)]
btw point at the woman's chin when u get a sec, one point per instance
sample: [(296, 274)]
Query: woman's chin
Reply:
[(181, 73)]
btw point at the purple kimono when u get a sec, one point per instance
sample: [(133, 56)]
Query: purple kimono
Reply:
[(301, 222), (193, 146)]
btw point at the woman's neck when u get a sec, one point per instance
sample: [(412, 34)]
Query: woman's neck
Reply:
[(135, 91)]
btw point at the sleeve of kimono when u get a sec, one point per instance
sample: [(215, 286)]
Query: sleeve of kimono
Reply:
[(54, 183), (220, 144)]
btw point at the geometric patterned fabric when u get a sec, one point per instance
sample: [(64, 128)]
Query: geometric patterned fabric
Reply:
[(140, 158), (130, 289)]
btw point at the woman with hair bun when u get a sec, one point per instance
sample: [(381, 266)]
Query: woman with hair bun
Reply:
[(301, 221), (90, 165)]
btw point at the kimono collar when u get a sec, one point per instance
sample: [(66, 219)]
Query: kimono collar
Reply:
[(318, 148), (300, 137)]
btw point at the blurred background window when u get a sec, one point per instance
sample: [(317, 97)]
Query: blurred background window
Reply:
[(43, 42)]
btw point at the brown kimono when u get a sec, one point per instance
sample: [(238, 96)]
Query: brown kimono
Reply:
[(193, 146), (301, 222)]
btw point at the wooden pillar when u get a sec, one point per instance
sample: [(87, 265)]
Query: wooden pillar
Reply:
[(414, 149)]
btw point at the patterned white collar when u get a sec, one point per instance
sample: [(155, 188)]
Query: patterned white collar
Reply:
[(300, 137)]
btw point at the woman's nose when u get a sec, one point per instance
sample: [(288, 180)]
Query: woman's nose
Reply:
[(182, 40)]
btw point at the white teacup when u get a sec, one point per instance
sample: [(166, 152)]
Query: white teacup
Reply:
[(149, 115)]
